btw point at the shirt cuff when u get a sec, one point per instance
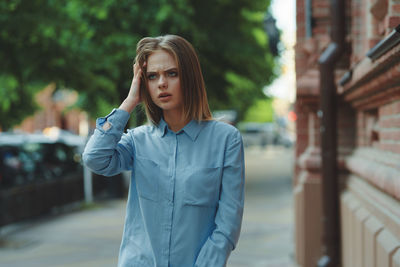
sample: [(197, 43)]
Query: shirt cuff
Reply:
[(215, 251), (117, 120)]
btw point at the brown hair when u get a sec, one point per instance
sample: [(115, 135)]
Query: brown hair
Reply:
[(195, 104)]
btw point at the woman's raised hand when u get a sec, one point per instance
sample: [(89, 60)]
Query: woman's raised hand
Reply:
[(133, 98)]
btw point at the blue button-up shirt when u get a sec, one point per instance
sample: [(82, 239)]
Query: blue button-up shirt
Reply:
[(186, 195)]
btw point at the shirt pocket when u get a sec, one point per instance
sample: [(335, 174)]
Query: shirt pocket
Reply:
[(146, 176), (202, 186)]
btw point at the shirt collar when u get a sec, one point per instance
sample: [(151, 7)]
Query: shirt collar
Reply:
[(162, 128), (192, 129)]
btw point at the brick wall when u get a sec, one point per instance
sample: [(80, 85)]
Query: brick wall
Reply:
[(368, 135), (388, 127), (307, 178), (51, 114)]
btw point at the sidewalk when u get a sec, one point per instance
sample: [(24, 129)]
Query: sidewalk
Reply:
[(81, 239), (267, 236), (91, 237)]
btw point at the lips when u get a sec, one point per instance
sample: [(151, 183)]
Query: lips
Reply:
[(164, 95)]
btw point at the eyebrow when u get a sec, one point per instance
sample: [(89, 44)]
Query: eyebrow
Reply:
[(170, 69)]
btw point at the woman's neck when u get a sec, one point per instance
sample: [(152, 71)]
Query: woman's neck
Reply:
[(175, 120)]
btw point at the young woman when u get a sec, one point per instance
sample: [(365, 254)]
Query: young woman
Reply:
[(186, 195)]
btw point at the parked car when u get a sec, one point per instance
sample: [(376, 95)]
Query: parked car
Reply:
[(258, 134), (228, 116), (285, 138), (38, 172), (25, 158)]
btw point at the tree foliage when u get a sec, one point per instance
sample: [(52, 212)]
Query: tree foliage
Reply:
[(261, 111), (89, 46)]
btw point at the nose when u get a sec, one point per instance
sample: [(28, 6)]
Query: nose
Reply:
[(162, 82)]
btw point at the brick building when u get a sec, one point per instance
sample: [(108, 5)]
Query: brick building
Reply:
[(366, 133), (55, 112)]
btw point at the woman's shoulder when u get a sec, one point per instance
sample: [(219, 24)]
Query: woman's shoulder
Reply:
[(221, 127), (143, 130)]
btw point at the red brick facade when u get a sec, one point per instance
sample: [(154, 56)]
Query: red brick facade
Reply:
[(368, 130), (52, 114)]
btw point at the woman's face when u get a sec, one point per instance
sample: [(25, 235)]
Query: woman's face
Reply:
[(163, 81)]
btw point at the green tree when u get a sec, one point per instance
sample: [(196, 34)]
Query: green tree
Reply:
[(89, 46), (260, 111)]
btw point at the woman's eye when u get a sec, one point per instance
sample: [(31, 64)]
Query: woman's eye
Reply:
[(151, 76), (172, 74)]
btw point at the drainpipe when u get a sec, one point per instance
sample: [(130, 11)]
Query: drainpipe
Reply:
[(330, 179)]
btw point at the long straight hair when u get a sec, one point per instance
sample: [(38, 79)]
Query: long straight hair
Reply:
[(195, 104)]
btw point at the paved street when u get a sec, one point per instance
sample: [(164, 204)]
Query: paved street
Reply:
[(90, 237), (267, 233)]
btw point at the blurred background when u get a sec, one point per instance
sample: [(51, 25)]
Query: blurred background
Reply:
[(65, 63)]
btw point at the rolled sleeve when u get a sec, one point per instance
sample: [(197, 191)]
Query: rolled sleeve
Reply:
[(117, 119), (228, 220), (109, 151)]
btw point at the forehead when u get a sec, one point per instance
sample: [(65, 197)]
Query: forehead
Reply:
[(160, 60)]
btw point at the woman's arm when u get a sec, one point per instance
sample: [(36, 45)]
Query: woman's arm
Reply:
[(228, 219), (107, 153), (133, 98)]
